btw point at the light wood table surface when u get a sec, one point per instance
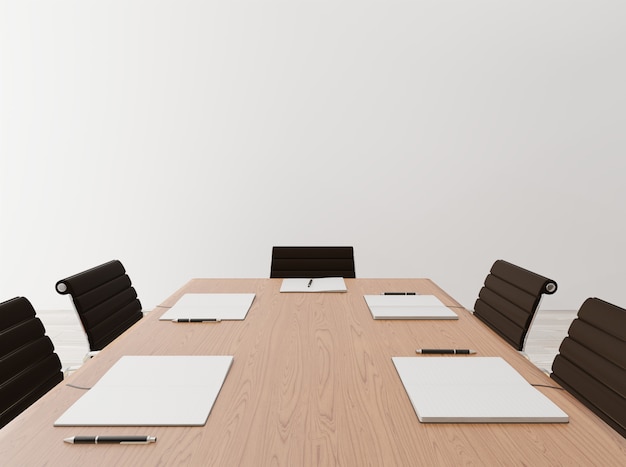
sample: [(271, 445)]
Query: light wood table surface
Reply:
[(312, 383)]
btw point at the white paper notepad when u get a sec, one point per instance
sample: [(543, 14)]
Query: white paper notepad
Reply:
[(473, 390), (222, 306), (152, 391), (408, 307), (322, 284)]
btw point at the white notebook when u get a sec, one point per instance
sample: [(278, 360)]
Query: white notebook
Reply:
[(322, 284), (152, 391), (223, 306), (408, 307), (473, 390)]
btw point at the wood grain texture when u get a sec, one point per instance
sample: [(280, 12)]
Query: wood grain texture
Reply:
[(312, 384)]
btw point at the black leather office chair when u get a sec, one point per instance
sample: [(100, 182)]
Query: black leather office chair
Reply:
[(312, 261), (105, 300), (29, 367), (509, 299), (591, 363)]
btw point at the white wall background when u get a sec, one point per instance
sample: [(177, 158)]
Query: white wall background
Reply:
[(186, 138)]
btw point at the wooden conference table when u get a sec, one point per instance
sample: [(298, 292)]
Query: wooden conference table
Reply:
[(312, 383)]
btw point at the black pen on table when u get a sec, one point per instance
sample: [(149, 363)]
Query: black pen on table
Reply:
[(196, 320), (446, 351), (310, 282), (399, 293), (111, 440)]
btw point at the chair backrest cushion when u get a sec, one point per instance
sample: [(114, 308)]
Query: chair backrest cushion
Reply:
[(29, 367), (509, 299), (312, 261), (105, 300), (591, 363)]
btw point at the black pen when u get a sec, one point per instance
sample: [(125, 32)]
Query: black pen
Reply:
[(196, 320), (310, 282), (399, 293), (446, 351), (111, 440)]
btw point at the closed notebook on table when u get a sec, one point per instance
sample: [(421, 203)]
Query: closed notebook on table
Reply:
[(408, 307), (473, 390)]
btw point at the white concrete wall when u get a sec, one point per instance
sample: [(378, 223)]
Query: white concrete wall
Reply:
[(186, 138)]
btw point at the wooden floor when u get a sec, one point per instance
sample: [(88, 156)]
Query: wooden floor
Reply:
[(542, 344), (546, 334)]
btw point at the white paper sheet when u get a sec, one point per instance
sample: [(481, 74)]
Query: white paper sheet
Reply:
[(152, 391), (223, 306), (322, 284)]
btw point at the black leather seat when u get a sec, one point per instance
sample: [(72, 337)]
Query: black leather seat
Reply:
[(312, 262), (105, 300), (29, 367), (591, 363), (509, 299)]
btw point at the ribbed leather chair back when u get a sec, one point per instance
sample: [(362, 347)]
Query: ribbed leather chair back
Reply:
[(591, 363), (29, 367), (312, 261), (509, 299), (105, 300)]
